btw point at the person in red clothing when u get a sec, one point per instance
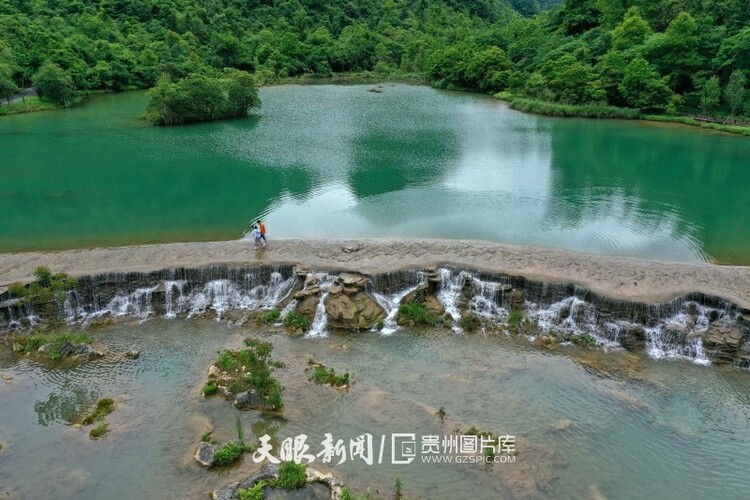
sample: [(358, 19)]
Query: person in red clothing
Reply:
[(262, 226)]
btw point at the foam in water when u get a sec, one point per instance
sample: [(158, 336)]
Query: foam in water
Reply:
[(390, 304)]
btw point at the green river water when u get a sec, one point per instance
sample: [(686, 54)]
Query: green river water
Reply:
[(638, 429), (340, 161)]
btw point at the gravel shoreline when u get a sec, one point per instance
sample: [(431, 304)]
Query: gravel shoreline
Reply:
[(615, 277)]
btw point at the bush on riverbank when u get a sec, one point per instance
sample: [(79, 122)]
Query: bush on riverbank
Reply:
[(199, 98), (47, 287)]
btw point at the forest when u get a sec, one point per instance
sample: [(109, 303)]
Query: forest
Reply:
[(657, 56)]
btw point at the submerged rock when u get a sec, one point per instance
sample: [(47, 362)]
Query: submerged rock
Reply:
[(332, 487), (204, 455), (248, 399), (133, 354)]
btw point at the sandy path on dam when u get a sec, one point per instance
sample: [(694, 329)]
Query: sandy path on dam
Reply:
[(616, 277)]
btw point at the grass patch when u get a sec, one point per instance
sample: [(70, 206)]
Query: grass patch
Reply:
[(515, 318), (206, 437), (103, 408), (210, 389), (584, 340), (272, 316), (470, 322), (31, 104), (99, 431), (257, 492), (567, 110), (324, 375), (415, 313), (251, 368), (292, 476), (32, 343), (228, 454), (294, 321)]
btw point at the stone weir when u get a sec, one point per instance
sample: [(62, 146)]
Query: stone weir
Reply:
[(695, 326)]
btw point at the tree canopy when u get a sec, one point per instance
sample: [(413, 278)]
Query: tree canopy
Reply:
[(655, 54)]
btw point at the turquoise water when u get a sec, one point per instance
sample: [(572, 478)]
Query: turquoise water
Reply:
[(340, 161), (637, 429)]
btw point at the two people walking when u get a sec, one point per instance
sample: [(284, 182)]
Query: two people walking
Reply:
[(259, 234)]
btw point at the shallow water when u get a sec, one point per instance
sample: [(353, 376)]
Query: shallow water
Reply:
[(339, 161), (637, 427)]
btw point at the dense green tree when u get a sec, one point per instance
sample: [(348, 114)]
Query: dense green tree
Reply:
[(54, 84), (735, 91), (710, 95), (8, 87), (631, 32), (643, 88)]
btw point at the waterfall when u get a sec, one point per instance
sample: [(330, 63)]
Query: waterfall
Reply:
[(320, 320), (677, 329), (451, 285), (390, 304)]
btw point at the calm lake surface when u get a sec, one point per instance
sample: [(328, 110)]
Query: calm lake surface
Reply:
[(341, 161), (664, 430)]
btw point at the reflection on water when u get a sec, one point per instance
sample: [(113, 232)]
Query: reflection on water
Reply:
[(339, 161), (617, 425)]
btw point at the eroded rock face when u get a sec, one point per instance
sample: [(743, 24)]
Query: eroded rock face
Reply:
[(723, 340), (248, 399), (348, 305), (633, 339), (319, 485)]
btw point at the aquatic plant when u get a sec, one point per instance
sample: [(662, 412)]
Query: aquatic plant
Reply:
[(227, 361), (515, 318), (294, 320), (470, 322), (103, 408), (99, 431), (272, 315), (399, 494), (206, 437), (291, 476), (584, 340), (441, 414), (228, 454), (324, 375), (415, 313), (210, 389)]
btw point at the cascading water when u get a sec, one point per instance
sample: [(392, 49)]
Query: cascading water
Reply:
[(677, 329), (320, 320), (390, 304), (451, 285)]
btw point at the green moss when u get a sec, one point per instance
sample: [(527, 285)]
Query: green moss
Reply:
[(99, 431), (228, 454), (103, 408), (415, 313), (294, 320), (291, 476)]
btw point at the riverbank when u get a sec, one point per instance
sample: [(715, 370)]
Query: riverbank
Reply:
[(614, 277), (545, 108)]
